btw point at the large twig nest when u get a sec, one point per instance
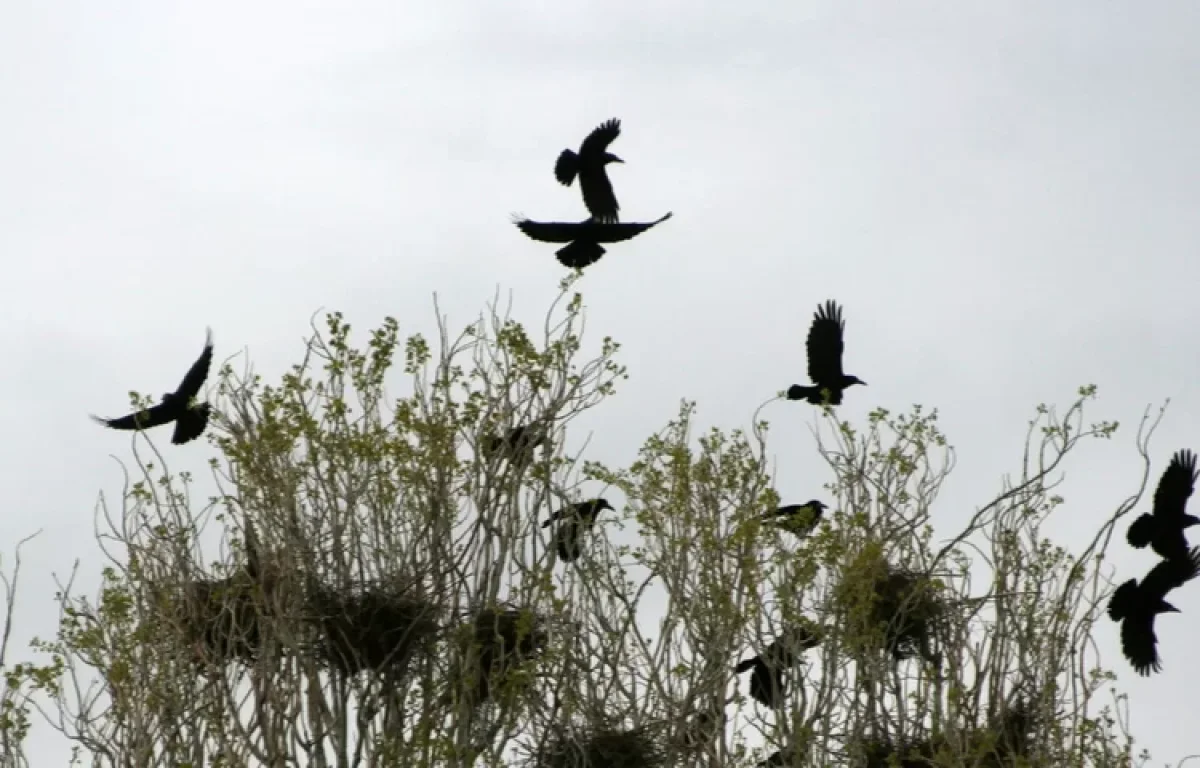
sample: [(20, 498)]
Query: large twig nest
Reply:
[(604, 748), (898, 606), (371, 628), (221, 620), (492, 649)]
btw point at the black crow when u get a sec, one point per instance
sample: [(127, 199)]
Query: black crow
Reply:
[(825, 345), (797, 519), (582, 238), (589, 166), (1163, 528), (766, 679), (517, 445), (574, 521), (1136, 605), (190, 419)]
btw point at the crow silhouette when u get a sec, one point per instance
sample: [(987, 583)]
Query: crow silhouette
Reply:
[(1163, 528), (190, 419), (1136, 606), (766, 677), (589, 166), (797, 519), (574, 521), (825, 347), (517, 445), (582, 238)]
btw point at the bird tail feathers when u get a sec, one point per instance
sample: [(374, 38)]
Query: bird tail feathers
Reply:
[(1122, 600), (566, 168), (1141, 532), (579, 254)]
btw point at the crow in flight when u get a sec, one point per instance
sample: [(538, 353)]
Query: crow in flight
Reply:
[(825, 347), (574, 520), (766, 680), (1136, 606), (589, 166), (1163, 528), (582, 238), (190, 419), (797, 519)]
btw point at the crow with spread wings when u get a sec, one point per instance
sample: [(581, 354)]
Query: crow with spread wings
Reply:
[(190, 418), (582, 238), (589, 165)]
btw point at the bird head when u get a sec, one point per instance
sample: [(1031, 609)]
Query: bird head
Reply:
[(1165, 607), (609, 157), (1190, 520), (603, 504), (820, 506), (168, 397), (852, 380)]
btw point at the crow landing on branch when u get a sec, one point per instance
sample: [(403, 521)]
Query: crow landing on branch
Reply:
[(190, 419), (589, 165), (1136, 606), (825, 347), (797, 519), (766, 679), (573, 521), (583, 238), (1163, 527)]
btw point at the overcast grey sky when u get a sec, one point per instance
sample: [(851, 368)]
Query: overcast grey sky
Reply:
[(1005, 197)]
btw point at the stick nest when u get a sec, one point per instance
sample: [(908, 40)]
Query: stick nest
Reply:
[(604, 748), (373, 627)]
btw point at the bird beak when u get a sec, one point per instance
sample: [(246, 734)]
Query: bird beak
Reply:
[(1168, 608), (616, 159)]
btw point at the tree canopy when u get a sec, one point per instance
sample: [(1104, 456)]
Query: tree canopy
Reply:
[(365, 580)]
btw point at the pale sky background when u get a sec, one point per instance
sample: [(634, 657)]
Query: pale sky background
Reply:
[(1005, 197)]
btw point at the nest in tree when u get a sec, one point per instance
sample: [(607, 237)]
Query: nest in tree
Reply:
[(902, 603), (883, 753), (371, 628), (493, 646), (604, 747), (221, 620)]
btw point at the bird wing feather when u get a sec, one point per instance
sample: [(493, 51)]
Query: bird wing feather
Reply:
[(190, 386), (825, 344), (598, 140), (1175, 486), (550, 231), (154, 416), (1138, 642)]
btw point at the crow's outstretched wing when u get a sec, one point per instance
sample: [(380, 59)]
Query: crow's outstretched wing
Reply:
[(596, 143), (1139, 644), (825, 344), (1175, 486), (194, 380), (591, 231), (154, 416)]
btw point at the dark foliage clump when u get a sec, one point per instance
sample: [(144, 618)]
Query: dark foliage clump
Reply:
[(494, 644), (371, 628), (608, 747)]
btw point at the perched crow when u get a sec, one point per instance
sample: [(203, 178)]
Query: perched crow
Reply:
[(582, 238), (1163, 528), (517, 446), (766, 679), (574, 520), (190, 419), (1136, 605), (797, 519), (589, 166), (825, 347)]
